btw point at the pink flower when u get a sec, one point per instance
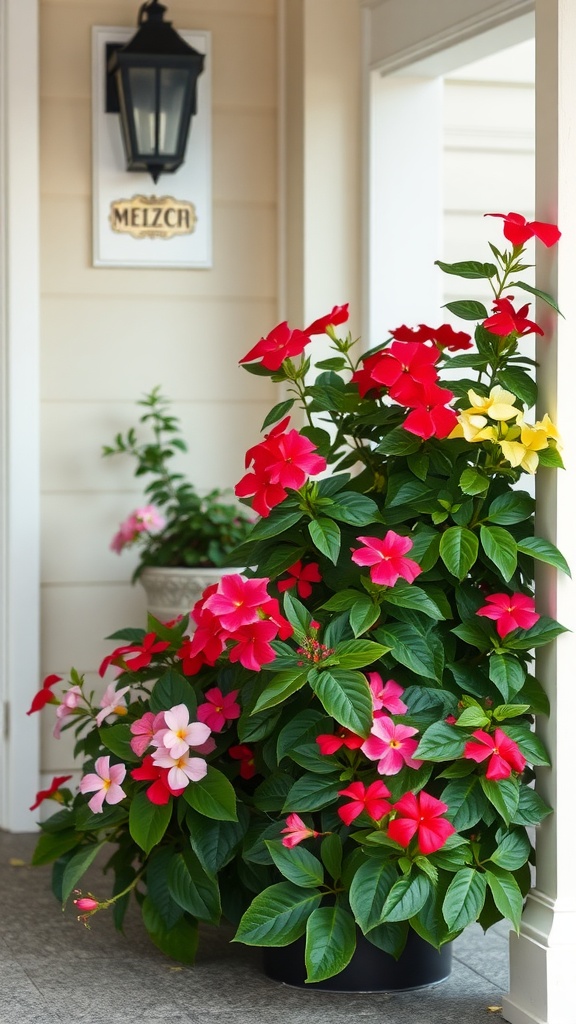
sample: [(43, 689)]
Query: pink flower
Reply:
[(296, 831), (236, 601), (219, 709), (302, 577), (70, 701), (518, 230), (147, 519), (391, 746), (386, 695), (86, 904), (44, 695), (182, 769), (510, 611), (52, 792), (105, 783), (386, 556), (283, 459), (252, 648), (143, 730), (422, 816), (179, 733), (371, 799), (241, 752), (504, 753), (113, 702), (329, 743), (160, 791)]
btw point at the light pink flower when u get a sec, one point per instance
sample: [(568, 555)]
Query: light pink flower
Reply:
[(180, 734), (386, 556), (296, 831), (70, 700), (219, 709), (105, 783), (391, 746), (386, 695), (149, 519), (182, 769), (143, 731), (113, 703)]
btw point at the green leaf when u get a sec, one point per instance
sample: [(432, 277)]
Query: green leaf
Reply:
[(541, 633), (52, 846), (76, 867), (148, 822), (507, 673), (278, 412), (215, 842), (513, 851), (470, 269), (398, 442), (467, 309), (406, 897), (440, 742), (464, 898), (536, 291), (302, 728), (346, 697), (358, 653), (506, 894), (326, 537), (531, 808), (192, 889), (171, 689), (117, 739), (308, 756), (530, 744), (298, 865), (408, 595), (550, 457), (500, 547), (473, 482), (312, 793), (458, 550), (179, 942), (271, 794), (298, 615), (519, 383), (503, 795), (510, 507), (409, 648), (280, 687), (353, 508), (369, 890), (364, 613), (331, 854), (157, 885), (276, 523), (330, 942), (213, 796), (466, 802), (473, 718), (504, 711), (544, 551), (277, 916)]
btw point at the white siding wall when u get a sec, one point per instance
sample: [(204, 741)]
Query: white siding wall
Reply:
[(108, 335)]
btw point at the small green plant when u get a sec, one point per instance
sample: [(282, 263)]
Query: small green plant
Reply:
[(178, 527)]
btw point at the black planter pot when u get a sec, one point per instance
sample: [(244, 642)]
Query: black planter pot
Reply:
[(370, 969)]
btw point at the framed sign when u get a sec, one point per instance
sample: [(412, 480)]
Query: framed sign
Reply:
[(137, 223)]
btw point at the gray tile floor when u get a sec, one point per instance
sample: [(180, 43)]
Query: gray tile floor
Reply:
[(53, 971)]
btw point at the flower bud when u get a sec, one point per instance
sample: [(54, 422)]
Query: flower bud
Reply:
[(86, 903)]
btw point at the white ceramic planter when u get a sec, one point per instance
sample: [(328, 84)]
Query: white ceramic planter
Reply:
[(171, 591)]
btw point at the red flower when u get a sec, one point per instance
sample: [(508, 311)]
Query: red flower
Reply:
[(245, 755), (510, 611), (364, 380), (296, 830), (160, 791), (218, 709), (50, 793), (44, 695), (339, 315), (370, 800), (504, 753), (143, 654), (386, 556), (507, 321), (280, 344), (518, 230), (302, 577), (446, 337), (282, 460), (403, 365), (421, 334), (430, 417), (421, 816), (329, 743), (252, 648)]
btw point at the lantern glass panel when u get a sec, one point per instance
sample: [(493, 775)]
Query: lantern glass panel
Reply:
[(173, 87), (143, 89)]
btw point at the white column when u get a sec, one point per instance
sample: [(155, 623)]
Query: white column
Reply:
[(543, 957), (19, 402)]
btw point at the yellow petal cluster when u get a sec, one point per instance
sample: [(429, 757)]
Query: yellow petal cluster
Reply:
[(525, 440), (473, 423)]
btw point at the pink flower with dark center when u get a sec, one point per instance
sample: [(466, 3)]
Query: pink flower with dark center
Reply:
[(420, 816), (329, 743), (386, 695), (506, 320), (510, 611), (386, 557), (505, 755), (104, 783), (237, 600), (518, 230), (302, 577), (219, 709), (52, 792), (296, 831), (371, 800), (391, 745)]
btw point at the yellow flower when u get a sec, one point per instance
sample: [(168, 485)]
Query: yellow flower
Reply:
[(551, 431), (524, 452), (474, 427), (498, 406)]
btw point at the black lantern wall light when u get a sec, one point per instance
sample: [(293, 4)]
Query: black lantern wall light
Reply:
[(152, 84)]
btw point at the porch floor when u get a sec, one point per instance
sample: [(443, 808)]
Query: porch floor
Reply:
[(54, 971)]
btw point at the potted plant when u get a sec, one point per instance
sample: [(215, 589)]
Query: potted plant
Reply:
[(184, 538), (341, 754)]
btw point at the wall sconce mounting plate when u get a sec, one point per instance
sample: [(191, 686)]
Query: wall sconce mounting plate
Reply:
[(137, 223)]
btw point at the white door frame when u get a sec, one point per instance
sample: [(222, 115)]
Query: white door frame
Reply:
[(19, 416)]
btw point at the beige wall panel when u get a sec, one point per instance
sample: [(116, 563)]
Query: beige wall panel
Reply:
[(497, 109), (65, 146), (244, 256), (486, 182), (245, 139), (76, 619)]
